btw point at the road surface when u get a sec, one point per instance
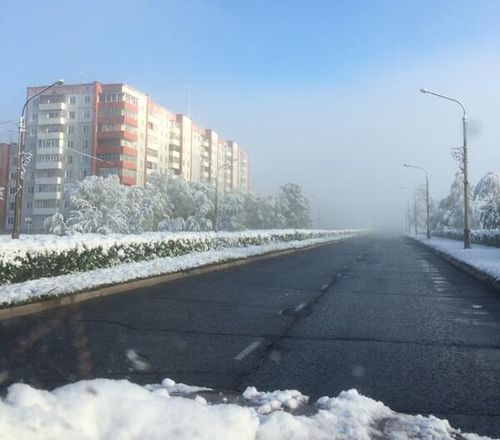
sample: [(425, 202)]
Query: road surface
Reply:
[(379, 314)]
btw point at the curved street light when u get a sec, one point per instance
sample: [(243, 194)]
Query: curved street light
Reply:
[(23, 161), (467, 233), (426, 195)]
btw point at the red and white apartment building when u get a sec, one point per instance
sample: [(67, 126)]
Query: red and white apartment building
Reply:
[(74, 131)]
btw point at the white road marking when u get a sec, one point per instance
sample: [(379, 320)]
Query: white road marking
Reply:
[(300, 307), (476, 306), (247, 351), (324, 287)]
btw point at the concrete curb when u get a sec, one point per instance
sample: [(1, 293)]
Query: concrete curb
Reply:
[(465, 267), (38, 305)]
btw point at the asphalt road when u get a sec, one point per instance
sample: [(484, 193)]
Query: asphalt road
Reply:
[(379, 314)]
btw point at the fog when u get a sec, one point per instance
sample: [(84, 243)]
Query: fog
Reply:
[(346, 145)]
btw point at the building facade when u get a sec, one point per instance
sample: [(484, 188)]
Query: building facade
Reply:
[(74, 131)]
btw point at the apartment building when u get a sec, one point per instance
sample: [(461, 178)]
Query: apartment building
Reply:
[(74, 131)]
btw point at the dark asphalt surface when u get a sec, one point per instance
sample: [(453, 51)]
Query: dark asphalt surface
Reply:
[(379, 314)]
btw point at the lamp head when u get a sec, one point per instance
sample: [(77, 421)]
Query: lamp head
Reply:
[(424, 90), (406, 165), (59, 82)]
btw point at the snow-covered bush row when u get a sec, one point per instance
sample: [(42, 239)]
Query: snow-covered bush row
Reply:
[(102, 205), (118, 409), (47, 256)]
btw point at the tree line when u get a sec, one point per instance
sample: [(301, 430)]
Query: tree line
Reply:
[(448, 213), (103, 205)]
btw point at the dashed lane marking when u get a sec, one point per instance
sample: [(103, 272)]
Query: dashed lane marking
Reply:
[(247, 351)]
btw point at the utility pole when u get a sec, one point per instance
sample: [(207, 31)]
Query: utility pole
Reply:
[(463, 156)]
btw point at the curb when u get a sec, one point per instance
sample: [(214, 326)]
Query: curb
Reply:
[(38, 306), (465, 267)]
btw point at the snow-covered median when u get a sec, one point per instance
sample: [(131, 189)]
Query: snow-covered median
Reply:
[(118, 409), (485, 259), (81, 281)]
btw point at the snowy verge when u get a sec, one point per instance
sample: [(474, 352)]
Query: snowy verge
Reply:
[(118, 409), (482, 261), (50, 287)]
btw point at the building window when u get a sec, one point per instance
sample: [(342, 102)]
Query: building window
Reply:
[(86, 114), (72, 115), (70, 144), (85, 143), (69, 159), (71, 129), (87, 99), (10, 221), (72, 100), (12, 190), (85, 129)]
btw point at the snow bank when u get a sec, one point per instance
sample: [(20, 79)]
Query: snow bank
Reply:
[(121, 410), (486, 259), (67, 284)]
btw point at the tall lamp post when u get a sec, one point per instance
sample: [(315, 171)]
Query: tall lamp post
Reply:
[(216, 204), (463, 156), (23, 161), (426, 195)]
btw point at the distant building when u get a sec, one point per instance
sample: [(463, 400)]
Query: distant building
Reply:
[(74, 131)]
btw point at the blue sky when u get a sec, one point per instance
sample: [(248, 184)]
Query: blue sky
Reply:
[(257, 67)]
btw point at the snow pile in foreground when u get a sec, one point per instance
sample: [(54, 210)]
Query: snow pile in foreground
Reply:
[(67, 284), (118, 409), (484, 258)]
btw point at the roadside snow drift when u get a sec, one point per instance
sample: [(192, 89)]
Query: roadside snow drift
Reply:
[(485, 259), (107, 409)]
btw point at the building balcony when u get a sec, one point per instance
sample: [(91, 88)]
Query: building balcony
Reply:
[(49, 165), (51, 106), (48, 180), (59, 135), (50, 150), (48, 195), (127, 135), (52, 121), (44, 211)]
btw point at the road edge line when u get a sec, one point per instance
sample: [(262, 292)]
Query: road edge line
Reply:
[(484, 277)]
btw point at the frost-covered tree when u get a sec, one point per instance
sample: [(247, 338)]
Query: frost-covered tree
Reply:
[(99, 205), (294, 207), (2, 192), (450, 210), (487, 193), (259, 212), (55, 224), (231, 212)]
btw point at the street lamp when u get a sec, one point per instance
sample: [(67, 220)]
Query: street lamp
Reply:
[(23, 161), (467, 233), (426, 195), (216, 207)]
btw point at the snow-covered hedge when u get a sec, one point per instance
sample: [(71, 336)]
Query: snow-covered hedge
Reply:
[(479, 236), (48, 256)]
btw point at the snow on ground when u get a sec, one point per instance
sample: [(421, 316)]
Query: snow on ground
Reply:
[(118, 409), (484, 258), (66, 284)]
